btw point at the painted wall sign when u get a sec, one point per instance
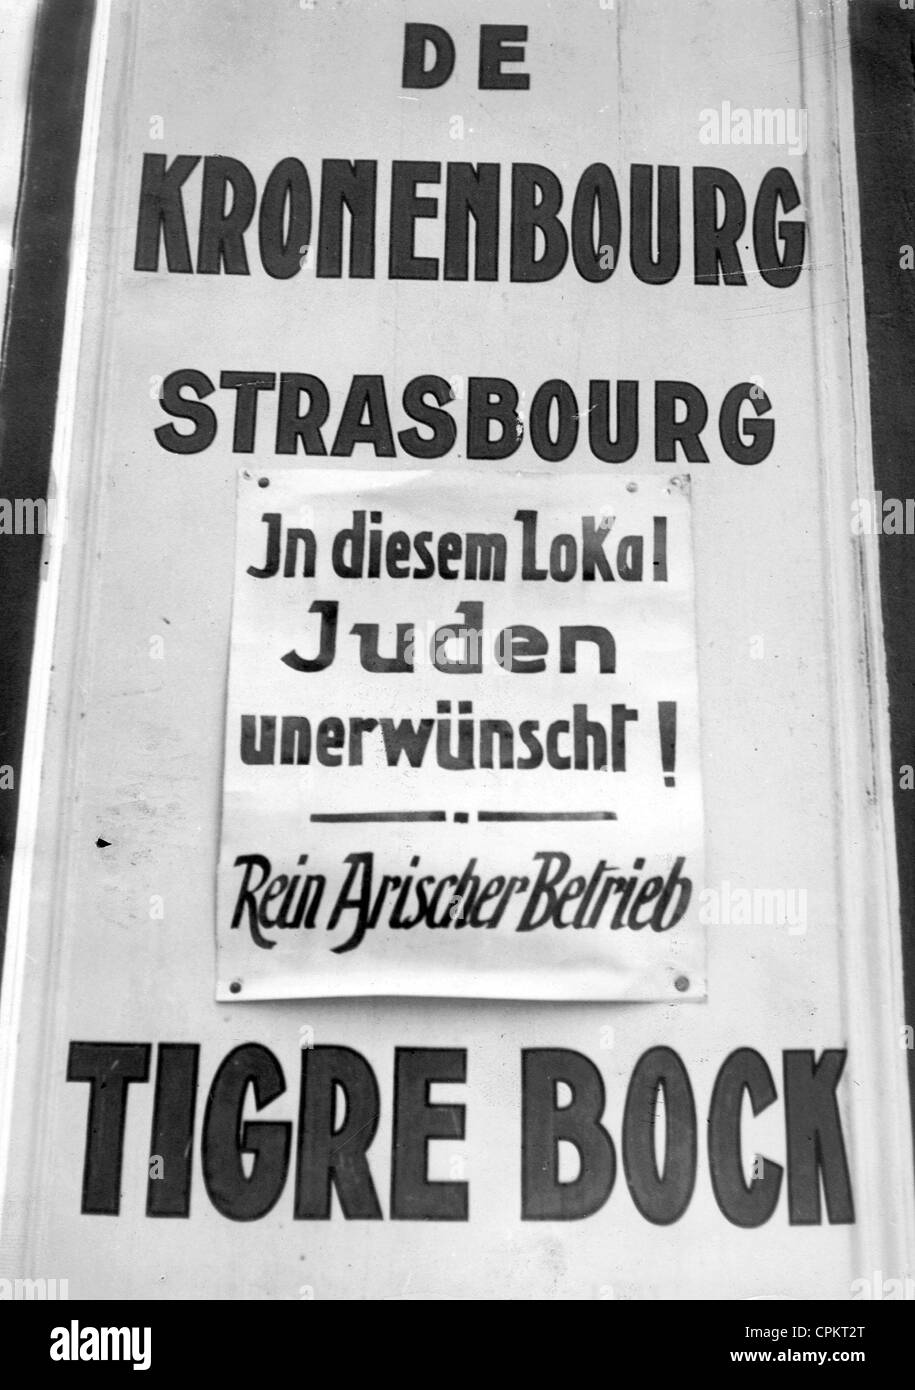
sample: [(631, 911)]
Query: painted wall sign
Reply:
[(472, 289)]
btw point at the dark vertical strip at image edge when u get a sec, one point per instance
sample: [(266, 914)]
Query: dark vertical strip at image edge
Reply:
[(31, 363), (882, 37)]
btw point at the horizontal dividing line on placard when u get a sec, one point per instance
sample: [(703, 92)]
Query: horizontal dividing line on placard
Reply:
[(545, 815), (349, 817), (461, 817)]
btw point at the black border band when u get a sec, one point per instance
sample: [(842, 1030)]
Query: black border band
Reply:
[(883, 73), (32, 342)]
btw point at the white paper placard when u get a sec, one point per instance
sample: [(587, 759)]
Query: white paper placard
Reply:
[(462, 739)]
